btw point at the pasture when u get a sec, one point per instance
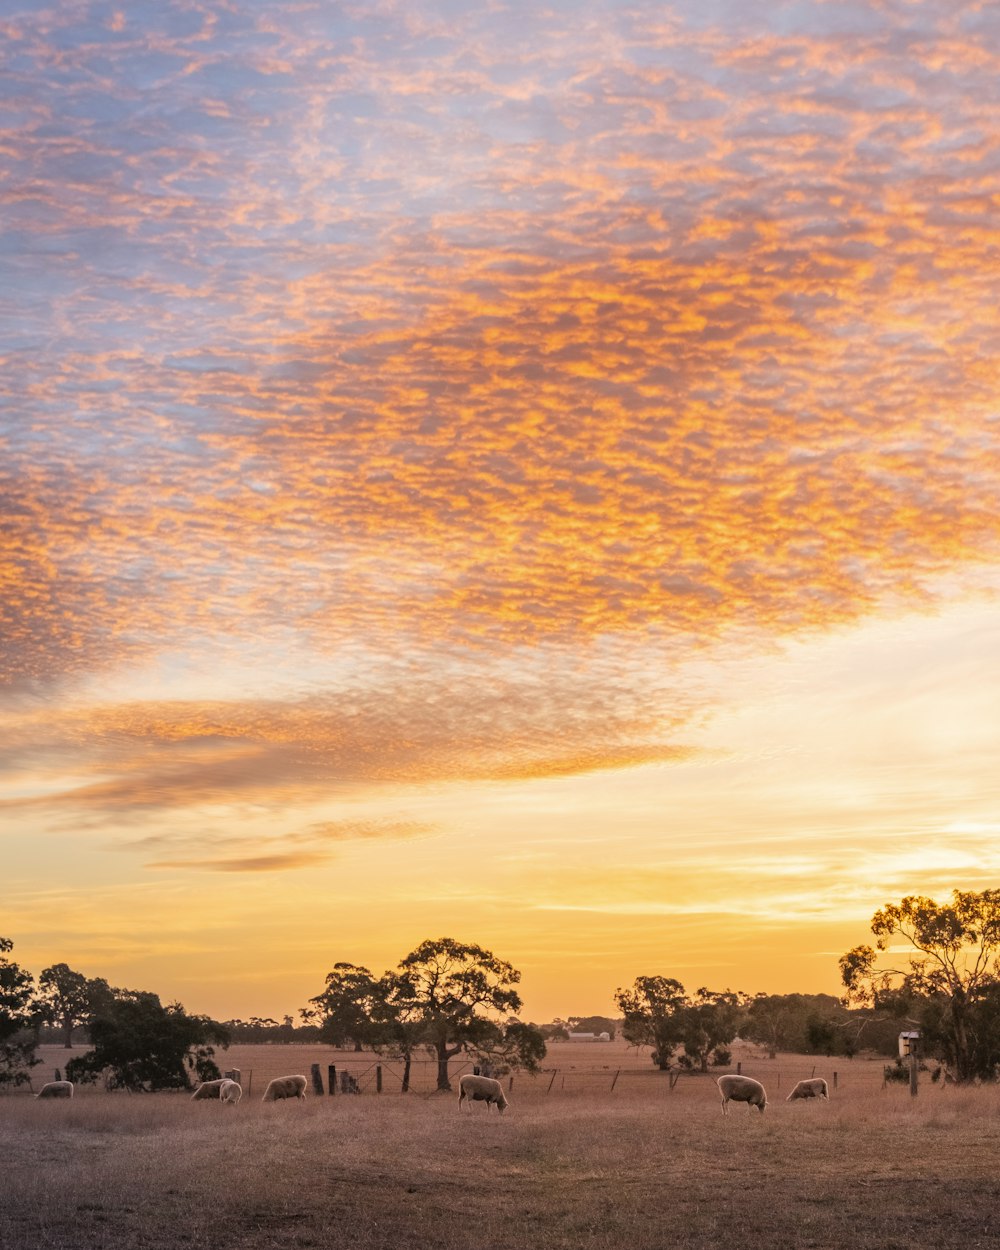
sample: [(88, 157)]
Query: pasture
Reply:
[(642, 1166)]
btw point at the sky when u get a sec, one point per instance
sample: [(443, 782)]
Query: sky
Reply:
[(520, 472)]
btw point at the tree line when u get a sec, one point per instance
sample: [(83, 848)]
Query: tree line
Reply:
[(447, 998)]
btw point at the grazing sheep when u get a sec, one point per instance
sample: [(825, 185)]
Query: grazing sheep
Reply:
[(481, 1089), (209, 1089), (230, 1091), (742, 1089), (815, 1087), (56, 1089), (285, 1087)]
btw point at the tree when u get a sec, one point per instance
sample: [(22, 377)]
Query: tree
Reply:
[(660, 1014), (398, 1026), (144, 1046), (950, 984), (454, 987), (66, 997), (347, 1005), (17, 1047), (650, 1008), (710, 1019)]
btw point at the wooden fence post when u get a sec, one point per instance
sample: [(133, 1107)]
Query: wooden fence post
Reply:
[(378, 1078), (834, 1080), (317, 1079), (555, 1073), (617, 1075), (739, 1066), (510, 1083), (249, 1080), (331, 1076)]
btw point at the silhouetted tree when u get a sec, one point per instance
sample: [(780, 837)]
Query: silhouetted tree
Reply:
[(68, 998), (17, 1015), (143, 1046), (456, 986), (650, 1008), (347, 1007), (950, 985)]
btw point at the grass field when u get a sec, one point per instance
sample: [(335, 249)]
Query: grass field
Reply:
[(581, 1166)]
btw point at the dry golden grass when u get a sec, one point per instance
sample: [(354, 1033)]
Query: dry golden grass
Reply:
[(642, 1168)]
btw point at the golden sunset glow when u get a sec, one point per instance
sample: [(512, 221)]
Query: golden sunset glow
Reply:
[(523, 474)]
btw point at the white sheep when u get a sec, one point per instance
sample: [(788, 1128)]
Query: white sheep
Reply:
[(56, 1089), (481, 1089), (209, 1089), (814, 1087), (741, 1089), (230, 1091), (285, 1087)]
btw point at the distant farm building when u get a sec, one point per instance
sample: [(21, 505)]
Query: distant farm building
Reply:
[(590, 1037)]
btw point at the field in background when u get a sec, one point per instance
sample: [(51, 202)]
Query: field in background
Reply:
[(639, 1168), (570, 1068)]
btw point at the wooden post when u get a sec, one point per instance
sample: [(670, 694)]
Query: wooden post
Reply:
[(739, 1066), (813, 1072), (913, 1072), (249, 1080), (58, 1077), (331, 1077), (834, 1080), (617, 1075), (317, 1079), (378, 1078), (555, 1073), (674, 1077), (510, 1083)]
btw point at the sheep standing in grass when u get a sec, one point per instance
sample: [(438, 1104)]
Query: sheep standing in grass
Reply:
[(741, 1089), (56, 1089), (481, 1089), (815, 1087), (209, 1089), (285, 1087), (230, 1091)]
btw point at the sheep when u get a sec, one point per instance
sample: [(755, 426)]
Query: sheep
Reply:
[(742, 1089), (209, 1089), (815, 1087), (56, 1089), (230, 1091), (285, 1087), (481, 1089)]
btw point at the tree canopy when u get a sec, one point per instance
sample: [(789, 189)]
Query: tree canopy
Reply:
[(949, 985), (17, 1048), (448, 996), (141, 1045), (659, 1013)]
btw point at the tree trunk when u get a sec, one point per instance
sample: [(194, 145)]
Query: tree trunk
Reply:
[(406, 1074), (443, 1056), (68, 1033), (963, 1060)]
